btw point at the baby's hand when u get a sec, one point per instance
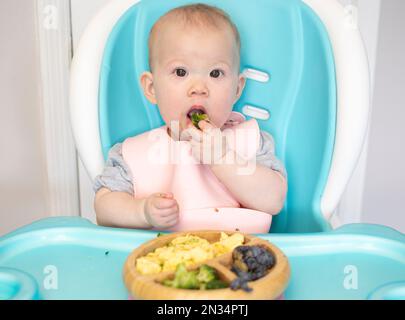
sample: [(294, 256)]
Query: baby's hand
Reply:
[(208, 145), (161, 210)]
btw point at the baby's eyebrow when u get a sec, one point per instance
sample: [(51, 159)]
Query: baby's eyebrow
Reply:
[(174, 62), (223, 63)]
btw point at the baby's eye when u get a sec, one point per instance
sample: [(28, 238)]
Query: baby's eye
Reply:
[(216, 73), (180, 72)]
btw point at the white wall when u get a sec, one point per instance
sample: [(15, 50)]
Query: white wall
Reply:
[(384, 193), (22, 165)]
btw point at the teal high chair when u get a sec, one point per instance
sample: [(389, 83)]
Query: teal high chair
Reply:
[(308, 85)]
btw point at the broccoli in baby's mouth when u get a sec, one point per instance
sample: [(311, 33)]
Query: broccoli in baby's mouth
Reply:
[(196, 116)]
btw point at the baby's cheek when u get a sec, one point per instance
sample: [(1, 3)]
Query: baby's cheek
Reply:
[(224, 108), (227, 93), (169, 106), (172, 117), (168, 100)]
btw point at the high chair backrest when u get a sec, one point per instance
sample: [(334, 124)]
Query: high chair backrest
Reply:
[(307, 86)]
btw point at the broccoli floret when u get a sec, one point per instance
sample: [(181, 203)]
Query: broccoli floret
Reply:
[(206, 274), (196, 117), (204, 279), (184, 279)]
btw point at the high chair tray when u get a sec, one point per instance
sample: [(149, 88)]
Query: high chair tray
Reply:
[(71, 258)]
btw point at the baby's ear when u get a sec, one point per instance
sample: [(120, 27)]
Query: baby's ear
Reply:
[(241, 86), (147, 86)]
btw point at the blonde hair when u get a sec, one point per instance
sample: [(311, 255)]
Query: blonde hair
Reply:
[(196, 15)]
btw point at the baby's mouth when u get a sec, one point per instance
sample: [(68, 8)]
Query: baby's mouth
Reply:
[(197, 114)]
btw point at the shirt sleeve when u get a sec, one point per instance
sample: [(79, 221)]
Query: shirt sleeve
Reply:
[(266, 154), (116, 175)]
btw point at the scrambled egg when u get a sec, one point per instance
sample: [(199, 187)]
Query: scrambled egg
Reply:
[(188, 249)]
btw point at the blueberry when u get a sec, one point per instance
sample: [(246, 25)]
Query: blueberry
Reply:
[(255, 262)]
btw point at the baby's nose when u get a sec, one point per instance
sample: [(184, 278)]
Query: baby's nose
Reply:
[(199, 89)]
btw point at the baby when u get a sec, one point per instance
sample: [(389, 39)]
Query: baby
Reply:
[(194, 59)]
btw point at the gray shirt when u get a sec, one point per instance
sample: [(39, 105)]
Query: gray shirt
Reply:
[(117, 176)]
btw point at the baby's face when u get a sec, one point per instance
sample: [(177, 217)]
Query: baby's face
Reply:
[(194, 69)]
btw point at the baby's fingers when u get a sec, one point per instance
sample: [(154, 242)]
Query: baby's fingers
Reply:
[(168, 218), (167, 195), (192, 133), (168, 212), (205, 126), (162, 203), (171, 222)]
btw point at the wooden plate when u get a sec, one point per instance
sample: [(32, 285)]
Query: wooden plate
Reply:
[(141, 286)]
